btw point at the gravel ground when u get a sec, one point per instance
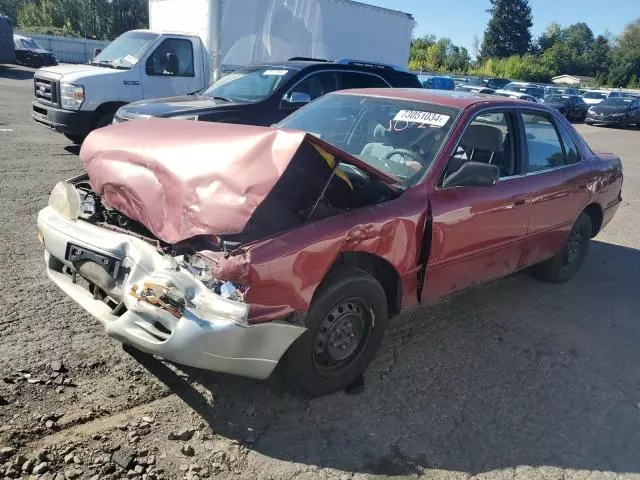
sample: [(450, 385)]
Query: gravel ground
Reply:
[(518, 379)]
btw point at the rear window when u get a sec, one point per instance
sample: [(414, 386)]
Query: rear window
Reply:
[(400, 80)]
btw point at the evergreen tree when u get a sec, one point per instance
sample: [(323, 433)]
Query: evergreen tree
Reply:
[(508, 32)]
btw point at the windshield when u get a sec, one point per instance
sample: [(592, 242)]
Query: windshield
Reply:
[(399, 137), (250, 84), (617, 102), (596, 95), (548, 91), (28, 44), (556, 99), (126, 50)]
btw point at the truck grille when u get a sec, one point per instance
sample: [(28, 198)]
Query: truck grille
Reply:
[(46, 91)]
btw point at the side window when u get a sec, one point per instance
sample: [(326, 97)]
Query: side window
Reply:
[(543, 145), (318, 84), (173, 58), (571, 151), (489, 138), (361, 80), (613, 95)]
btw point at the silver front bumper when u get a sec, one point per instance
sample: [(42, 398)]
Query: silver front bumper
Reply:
[(211, 334)]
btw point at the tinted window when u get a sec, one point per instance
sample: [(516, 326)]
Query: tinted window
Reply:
[(570, 148), (543, 145), (173, 57), (319, 84), (361, 80)]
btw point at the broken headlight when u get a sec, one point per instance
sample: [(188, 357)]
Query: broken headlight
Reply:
[(66, 200)]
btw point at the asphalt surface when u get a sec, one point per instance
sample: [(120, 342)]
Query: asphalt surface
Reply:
[(517, 379)]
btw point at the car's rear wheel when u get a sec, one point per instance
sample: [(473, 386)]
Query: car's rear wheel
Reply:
[(564, 265), (345, 326)]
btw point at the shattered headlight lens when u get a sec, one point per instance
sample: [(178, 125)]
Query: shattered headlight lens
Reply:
[(71, 96), (66, 200)]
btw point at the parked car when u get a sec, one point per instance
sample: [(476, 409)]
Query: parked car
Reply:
[(30, 54), (497, 83), (571, 106), (560, 91), (265, 93), (532, 89), (437, 82), (235, 248), (517, 95), (618, 111), (474, 89), (594, 97)]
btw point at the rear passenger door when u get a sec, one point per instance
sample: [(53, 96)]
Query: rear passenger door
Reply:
[(558, 180)]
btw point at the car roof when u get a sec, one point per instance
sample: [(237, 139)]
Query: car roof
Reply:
[(302, 64), (447, 98)]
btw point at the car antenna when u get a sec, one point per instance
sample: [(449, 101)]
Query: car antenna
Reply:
[(324, 190)]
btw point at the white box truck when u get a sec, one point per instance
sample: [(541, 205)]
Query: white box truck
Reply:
[(190, 42)]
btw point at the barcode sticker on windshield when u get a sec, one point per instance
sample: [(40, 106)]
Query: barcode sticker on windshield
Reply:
[(278, 73), (426, 118)]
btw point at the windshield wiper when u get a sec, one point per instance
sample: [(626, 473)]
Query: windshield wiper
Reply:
[(109, 64), (224, 99)]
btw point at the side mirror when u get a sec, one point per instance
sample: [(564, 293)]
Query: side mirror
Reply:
[(473, 174), (297, 98), (96, 52)]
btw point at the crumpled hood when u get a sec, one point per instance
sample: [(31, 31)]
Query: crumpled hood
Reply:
[(181, 178), (160, 107)]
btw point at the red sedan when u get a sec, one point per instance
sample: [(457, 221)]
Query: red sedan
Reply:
[(239, 248)]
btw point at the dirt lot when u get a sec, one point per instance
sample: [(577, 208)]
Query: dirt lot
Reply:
[(518, 379)]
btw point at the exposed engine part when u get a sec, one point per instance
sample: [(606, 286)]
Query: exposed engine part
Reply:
[(161, 296)]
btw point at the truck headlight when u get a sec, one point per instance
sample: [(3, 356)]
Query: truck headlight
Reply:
[(71, 96)]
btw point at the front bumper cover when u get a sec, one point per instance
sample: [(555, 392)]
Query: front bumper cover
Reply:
[(209, 335), (64, 121)]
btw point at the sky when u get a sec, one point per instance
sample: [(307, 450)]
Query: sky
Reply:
[(459, 20)]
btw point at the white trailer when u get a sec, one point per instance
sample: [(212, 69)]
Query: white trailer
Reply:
[(239, 32)]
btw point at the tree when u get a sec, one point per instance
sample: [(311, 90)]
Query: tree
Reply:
[(508, 32), (551, 36), (626, 58), (633, 83)]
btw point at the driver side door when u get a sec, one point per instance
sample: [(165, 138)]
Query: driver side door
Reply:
[(163, 78), (478, 231)]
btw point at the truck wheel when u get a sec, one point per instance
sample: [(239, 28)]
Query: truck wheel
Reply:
[(345, 326), (564, 265), (104, 119), (77, 139)]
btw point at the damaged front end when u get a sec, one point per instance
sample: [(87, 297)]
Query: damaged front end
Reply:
[(155, 240), (146, 295)]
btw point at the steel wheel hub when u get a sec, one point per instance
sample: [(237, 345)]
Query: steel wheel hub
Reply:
[(340, 334)]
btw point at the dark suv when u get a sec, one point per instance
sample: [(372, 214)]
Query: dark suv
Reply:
[(265, 93)]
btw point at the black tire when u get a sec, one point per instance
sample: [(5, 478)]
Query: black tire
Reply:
[(105, 119), (564, 265), (345, 326), (77, 139)]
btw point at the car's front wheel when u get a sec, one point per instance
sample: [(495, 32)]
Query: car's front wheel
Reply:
[(345, 326), (77, 139), (564, 265)]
